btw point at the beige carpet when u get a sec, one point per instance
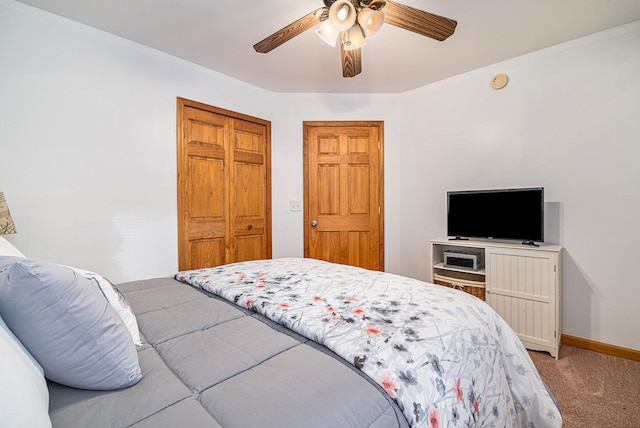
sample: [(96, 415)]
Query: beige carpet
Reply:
[(594, 390)]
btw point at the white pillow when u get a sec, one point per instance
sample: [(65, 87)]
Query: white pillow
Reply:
[(24, 397), (6, 249), (117, 301)]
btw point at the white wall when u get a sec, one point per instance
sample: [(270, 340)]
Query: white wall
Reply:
[(88, 141), (87, 154), (568, 120)]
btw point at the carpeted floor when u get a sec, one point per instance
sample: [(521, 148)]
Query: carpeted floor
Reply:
[(593, 389)]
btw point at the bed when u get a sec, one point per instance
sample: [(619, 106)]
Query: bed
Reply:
[(295, 342)]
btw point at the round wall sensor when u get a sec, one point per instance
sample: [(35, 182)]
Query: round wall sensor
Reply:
[(499, 81)]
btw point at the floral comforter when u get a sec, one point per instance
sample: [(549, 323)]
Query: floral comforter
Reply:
[(446, 357)]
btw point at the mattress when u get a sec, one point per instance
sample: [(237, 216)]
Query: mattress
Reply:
[(446, 357), (209, 363)]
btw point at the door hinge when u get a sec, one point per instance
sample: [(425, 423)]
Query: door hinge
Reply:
[(379, 210), (379, 145)]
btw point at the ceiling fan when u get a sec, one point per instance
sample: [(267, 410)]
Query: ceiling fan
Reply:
[(352, 22)]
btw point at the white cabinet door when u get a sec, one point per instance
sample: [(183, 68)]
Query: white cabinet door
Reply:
[(522, 287)]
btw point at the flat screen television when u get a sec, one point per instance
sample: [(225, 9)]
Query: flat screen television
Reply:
[(510, 214)]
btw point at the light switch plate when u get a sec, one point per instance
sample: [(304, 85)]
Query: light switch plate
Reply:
[(296, 206)]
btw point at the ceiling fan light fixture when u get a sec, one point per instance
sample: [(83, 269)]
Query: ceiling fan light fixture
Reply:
[(354, 38), (328, 33), (371, 21), (342, 15), (374, 4)]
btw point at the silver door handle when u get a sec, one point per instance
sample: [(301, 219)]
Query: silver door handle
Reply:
[(314, 223)]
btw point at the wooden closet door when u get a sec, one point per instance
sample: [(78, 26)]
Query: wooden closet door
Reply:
[(203, 187), (224, 186), (249, 192)]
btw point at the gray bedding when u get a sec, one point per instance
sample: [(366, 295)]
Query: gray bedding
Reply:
[(208, 363)]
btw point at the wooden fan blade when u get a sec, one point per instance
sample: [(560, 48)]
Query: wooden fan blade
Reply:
[(351, 60), (290, 31), (416, 20)]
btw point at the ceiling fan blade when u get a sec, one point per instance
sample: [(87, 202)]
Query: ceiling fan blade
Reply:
[(290, 31), (351, 60), (416, 20)]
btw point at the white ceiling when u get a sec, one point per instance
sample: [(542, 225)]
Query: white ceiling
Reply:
[(220, 34)]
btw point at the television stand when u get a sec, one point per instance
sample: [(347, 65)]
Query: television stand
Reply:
[(522, 284)]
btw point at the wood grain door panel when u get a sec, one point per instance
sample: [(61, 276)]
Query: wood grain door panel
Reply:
[(249, 247), (206, 252)]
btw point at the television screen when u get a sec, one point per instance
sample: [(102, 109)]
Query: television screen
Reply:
[(516, 214)]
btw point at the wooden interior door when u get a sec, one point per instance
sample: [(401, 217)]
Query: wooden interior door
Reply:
[(343, 202), (224, 186)]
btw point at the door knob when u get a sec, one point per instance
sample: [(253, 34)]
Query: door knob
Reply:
[(250, 227), (314, 223)]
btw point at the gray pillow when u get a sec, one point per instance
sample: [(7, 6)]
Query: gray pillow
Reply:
[(67, 325)]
